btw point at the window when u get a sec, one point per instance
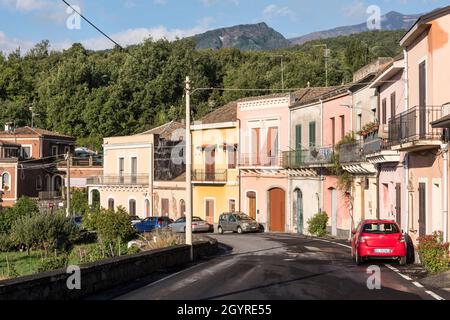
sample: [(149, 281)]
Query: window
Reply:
[(342, 127), (422, 84), (182, 207), (384, 111), (393, 105), (272, 142), (232, 205), (121, 169), (255, 145), (38, 183), (134, 170), (312, 134), (333, 131), (298, 137), (209, 210), (11, 153), (6, 181), (25, 152), (66, 150), (54, 150), (232, 157), (111, 204), (165, 207), (359, 122), (132, 207)]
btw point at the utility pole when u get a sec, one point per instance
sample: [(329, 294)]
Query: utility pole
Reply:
[(326, 55), (188, 168), (282, 70), (68, 160)]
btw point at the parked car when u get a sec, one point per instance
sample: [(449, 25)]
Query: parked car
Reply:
[(135, 220), (237, 222), (378, 239), (78, 221), (152, 223), (198, 225)]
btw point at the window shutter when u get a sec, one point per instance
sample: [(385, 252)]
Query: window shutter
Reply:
[(298, 137), (312, 134)]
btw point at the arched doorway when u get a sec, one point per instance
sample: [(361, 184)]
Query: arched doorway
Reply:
[(277, 210), (147, 208), (132, 207), (251, 204), (94, 198), (299, 211), (57, 184), (182, 208)]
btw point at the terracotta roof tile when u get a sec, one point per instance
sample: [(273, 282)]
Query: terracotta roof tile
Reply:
[(166, 130), (35, 131)]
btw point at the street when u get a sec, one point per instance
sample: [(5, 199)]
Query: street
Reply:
[(279, 266)]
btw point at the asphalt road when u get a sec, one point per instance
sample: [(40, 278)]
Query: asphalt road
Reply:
[(273, 267)]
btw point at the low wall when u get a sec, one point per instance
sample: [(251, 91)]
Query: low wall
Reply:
[(101, 275)]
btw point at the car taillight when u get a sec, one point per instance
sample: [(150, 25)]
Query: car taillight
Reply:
[(363, 240), (402, 238), (159, 222)]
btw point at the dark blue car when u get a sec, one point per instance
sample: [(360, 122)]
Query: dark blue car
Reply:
[(152, 223)]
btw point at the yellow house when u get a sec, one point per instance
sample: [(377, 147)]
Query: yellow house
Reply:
[(215, 173), (139, 166)]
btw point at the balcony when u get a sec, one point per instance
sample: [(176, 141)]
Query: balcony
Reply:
[(260, 160), (317, 157), (124, 180), (50, 195), (209, 177), (377, 150), (83, 162), (353, 160), (412, 129)]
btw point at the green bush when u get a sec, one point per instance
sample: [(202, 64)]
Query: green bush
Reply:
[(46, 231), (53, 263), (113, 227), (24, 207), (6, 244), (317, 225), (79, 204), (434, 252)]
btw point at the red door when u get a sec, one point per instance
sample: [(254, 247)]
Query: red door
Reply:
[(277, 207)]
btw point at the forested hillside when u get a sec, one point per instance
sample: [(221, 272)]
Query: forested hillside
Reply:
[(94, 94)]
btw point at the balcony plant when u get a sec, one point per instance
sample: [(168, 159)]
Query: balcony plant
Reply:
[(345, 179), (368, 129)]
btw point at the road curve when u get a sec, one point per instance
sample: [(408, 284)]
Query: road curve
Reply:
[(275, 267)]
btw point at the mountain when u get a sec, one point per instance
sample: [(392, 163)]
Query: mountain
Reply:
[(253, 37), (390, 21)]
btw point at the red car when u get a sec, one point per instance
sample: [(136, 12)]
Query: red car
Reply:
[(378, 239)]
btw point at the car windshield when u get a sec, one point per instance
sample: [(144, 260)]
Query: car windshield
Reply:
[(242, 217), (380, 228), (196, 219)]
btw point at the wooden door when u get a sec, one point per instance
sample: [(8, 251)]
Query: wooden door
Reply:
[(210, 166), (422, 209), (209, 208), (277, 205), (251, 199), (165, 207)]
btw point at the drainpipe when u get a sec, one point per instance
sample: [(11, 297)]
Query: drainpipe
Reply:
[(378, 190), (238, 165), (446, 180)]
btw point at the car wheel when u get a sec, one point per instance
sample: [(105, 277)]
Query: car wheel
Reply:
[(402, 261), (239, 230), (358, 260), (220, 230)]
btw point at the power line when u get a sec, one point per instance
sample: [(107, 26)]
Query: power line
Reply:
[(92, 24)]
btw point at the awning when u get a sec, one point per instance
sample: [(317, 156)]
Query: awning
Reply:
[(443, 123)]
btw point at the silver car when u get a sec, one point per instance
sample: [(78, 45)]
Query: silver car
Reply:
[(237, 222), (198, 225)]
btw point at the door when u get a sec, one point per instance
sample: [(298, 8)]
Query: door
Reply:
[(209, 208), (277, 205), (422, 100), (210, 166), (436, 218), (334, 212), (398, 204), (147, 208), (251, 200), (121, 170), (298, 145), (300, 211), (422, 209), (134, 170), (165, 207)]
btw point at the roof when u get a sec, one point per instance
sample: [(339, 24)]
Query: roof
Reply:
[(444, 123), (422, 24), (35, 131), (318, 94), (227, 113), (166, 130), (9, 144)]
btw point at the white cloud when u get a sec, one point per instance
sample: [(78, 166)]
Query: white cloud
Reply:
[(9, 44), (274, 11)]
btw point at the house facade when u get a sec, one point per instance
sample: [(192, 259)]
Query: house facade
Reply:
[(143, 173), (28, 166), (215, 173)]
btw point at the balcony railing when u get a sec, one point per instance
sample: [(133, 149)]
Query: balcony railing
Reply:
[(50, 195), (124, 180), (351, 153), (307, 158), (83, 162), (204, 176), (261, 160), (374, 144), (414, 125)]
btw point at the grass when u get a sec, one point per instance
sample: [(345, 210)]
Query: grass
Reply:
[(19, 263)]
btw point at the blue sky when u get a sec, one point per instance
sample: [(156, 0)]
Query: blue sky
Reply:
[(25, 22)]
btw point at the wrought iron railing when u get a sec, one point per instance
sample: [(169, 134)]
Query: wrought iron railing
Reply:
[(351, 152), (261, 160), (50, 195), (308, 157), (209, 176), (119, 180), (415, 124)]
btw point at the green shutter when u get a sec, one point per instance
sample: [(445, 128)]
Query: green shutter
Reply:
[(312, 134), (298, 137)]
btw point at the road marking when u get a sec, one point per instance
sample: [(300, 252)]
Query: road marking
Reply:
[(405, 277), (417, 284), (434, 295)]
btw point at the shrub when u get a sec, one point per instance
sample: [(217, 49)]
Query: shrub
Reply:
[(88, 253), (434, 252), (6, 244), (79, 204), (46, 230), (24, 207), (53, 263), (317, 225), (160, 239), (113, 227)]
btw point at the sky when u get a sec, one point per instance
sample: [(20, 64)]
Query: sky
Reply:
[(23, 23)]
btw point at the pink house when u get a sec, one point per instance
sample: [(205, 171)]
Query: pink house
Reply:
[(264, 132), (336, 125)]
